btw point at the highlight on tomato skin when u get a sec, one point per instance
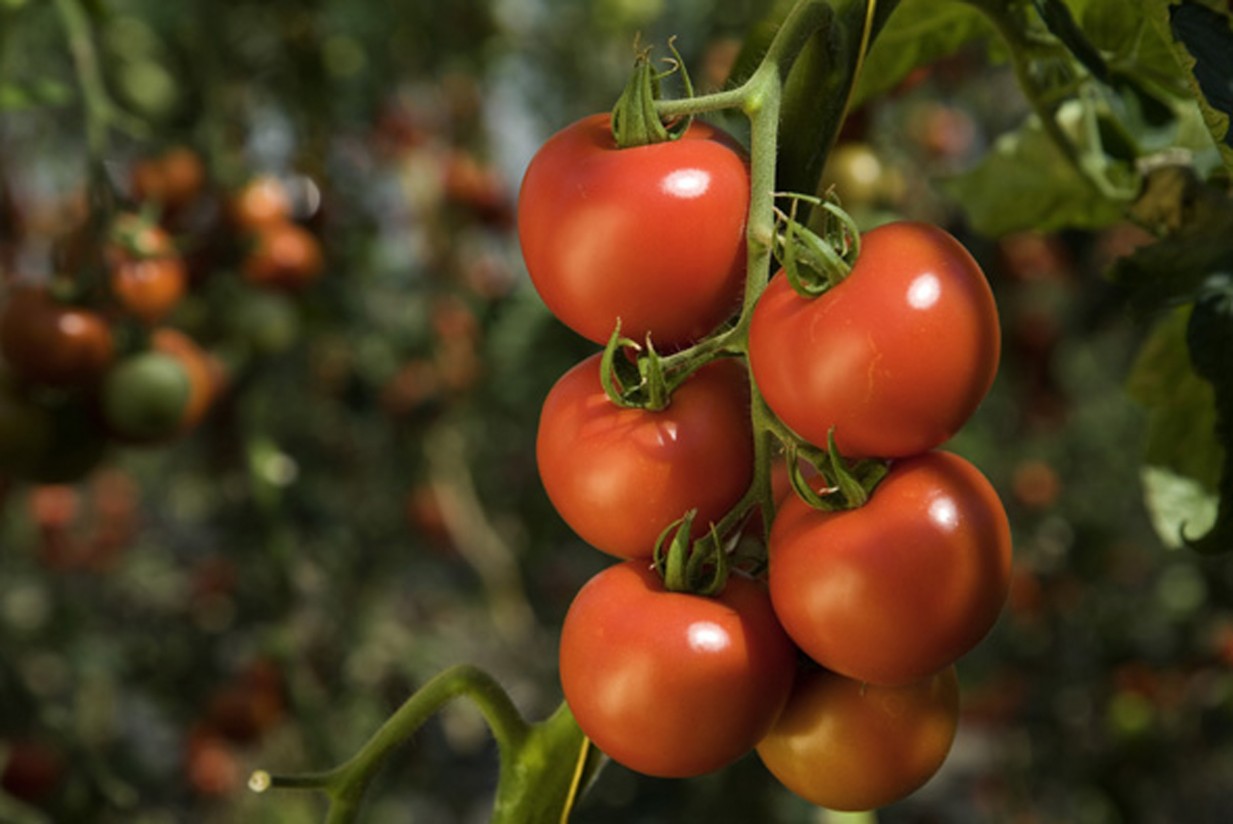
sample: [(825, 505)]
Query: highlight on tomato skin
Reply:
[(850, 746), (671, 684)]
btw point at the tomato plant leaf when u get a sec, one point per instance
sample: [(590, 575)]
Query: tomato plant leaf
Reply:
[(1062, 25), (1205, 46), (919, 32), (1025, 183)]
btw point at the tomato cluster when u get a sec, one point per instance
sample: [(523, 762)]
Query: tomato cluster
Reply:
[(832, 652), (92, 357)]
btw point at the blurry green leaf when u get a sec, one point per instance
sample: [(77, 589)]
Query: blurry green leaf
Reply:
[(1176, 503), (1205, 48), (919, 32), (1025, 183), (1181, 437), (1200, 242), (14, 96), (1063, 26)]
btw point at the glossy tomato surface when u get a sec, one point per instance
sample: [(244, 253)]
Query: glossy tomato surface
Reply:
[(901, 587), (895, 358), (850, 746), (48, 342), (620, 476), (653, 235), (671, 684)]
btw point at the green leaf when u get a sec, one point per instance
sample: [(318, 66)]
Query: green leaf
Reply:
[(1204, 45), (919, 32), (1063, 26), (16, 96), (1172, 270), (1176, 504), (1181, 437), (1025, 183)]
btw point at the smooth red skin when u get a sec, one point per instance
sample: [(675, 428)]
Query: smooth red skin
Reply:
[(610, 233), (619, 476), (846, 745), (149, 289), (670, 684), (896, 357), (901, 587), (51, 343)]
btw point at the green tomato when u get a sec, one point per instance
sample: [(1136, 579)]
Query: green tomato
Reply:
[(145, 397)]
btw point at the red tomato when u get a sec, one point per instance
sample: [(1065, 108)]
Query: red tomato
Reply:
[(901, 587), (619, 476), (671, 684), (172, 179), (653, 235), (261, 202), (845, 745), (47, 342), (285, 255), (896, 358)]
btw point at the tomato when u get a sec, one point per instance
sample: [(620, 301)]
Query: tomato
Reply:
[(653, 235), (895, 358), (51, 343), (620, 476), (149, 289), (145, 397), (172, 179), (849, 746), (671, 684), (285, 255), (901, 587), (263, 201), (205, 374)]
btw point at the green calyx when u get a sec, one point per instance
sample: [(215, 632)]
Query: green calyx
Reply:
[(635, 118), (695, 567), (839, 484), (814, 262)]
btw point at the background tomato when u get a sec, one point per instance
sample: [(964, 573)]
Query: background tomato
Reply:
[(263, 201), (845, 745), (902, 586), (205, 373), (653, 235), (172, 179), (620, 476), (285, 255), (896, 358), (671, 684), (149, 289), (145, 397), (47, 342)]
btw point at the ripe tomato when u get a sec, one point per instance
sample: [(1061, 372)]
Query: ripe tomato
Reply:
[(620, 476), (172, 179), (261, 202), (653, 235), (47, 342), (285, 255), (849, 746), (902, 586), (149, 289), (671, 684), (205, 373), (895, 358), (145, 397)]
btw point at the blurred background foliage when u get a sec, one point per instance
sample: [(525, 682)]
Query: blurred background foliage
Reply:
[(361, 509)]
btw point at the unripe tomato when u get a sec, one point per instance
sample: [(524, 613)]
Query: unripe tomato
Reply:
[(51, 343), (902, 586), (205, 374), (652, 235), (671, 684), (145, 396), (846, 745), (895, 358), (285, 255), (619, 477)]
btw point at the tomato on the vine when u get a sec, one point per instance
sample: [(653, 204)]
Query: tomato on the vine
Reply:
[(620, 476), (145, 397), (846, 745), (205, 373), (653, 235), (52, 343), (902, 586), (172, 179), (895, 358), (263, 201), (672, 684), (148, 277), (285, 255)]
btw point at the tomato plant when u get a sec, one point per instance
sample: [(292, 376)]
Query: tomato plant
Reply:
[(651, 235), (284, 255), (846, 745), (619, 477), (49, 342), (668, 683), (902, 586), (894, 359), (147, 276)]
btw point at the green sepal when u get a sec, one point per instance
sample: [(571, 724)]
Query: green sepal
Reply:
[(671, 555), (816, 263), (620, 378), (635, 120)]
